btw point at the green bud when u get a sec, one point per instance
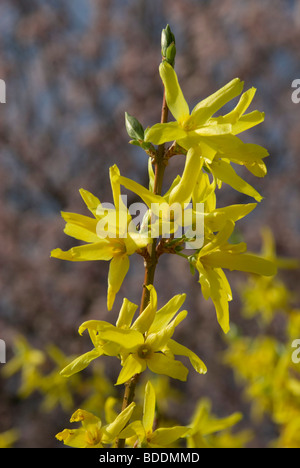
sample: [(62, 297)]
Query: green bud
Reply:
[(171, 53), (134, 128), (168, 40)]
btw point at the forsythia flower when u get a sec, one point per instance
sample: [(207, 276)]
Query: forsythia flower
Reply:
[(27, 360), (217, 254), (214, 139), (143, 430), (204, 424), (271, 377), (108, 237), (179, 193), (145, 343), (92, 434)]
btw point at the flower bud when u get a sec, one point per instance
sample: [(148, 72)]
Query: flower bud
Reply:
[(168, 49), (134, 128), (171, 53)]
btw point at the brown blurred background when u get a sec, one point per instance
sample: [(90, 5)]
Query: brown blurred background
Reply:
[(72, 69)]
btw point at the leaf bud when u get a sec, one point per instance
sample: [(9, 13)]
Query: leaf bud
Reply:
[(134, 128)]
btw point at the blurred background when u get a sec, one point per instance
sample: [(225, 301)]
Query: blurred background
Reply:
[(72, 69)]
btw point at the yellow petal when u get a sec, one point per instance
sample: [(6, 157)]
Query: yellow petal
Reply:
[(133, 365), (73, 437), (114, 173), (224, 172), (248, 121), (112, 430), (81, 233), (174, 96), (101, 250), (243, 104), (145, 319), (90, 200), (219, 293), (146, 195), (258, 169), (149, 408), (163, 133), (164, 315), (244, 262), (212, 130), (128, 340), (126, 314), (206, 108), (218, 240), (81, 362), (161, 364), (180, 350), (151, 175), (118, 269), (165, 436), (246, 153), (80, 220), (158, 341), (182, 193), (217, 219), (135, 428)]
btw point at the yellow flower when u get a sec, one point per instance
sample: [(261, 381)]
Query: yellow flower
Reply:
[(108, 237), (217, 254), (92, 434), (189, 127), (143, 431), (145, 343), (204, 424), (170, 213), (27, 360), (181, 189), (214, 138)]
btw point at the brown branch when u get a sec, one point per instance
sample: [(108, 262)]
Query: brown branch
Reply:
[(150, 260)]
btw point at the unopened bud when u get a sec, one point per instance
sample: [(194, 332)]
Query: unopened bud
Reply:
[(168, 49), (134, 128), (171, 53)]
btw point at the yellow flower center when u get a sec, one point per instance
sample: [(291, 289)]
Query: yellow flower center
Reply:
[(187, 124), (144, 351), (93, 436), (119, 247)]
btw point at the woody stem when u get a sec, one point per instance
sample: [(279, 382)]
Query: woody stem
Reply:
[(151, 260)]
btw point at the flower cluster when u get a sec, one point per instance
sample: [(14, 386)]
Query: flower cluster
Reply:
[(210, 147), (271, 377)]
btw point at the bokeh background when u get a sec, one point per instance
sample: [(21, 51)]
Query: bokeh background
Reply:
[(72, 69)]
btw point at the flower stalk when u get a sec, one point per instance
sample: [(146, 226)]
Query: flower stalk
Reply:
[(151, 260)]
